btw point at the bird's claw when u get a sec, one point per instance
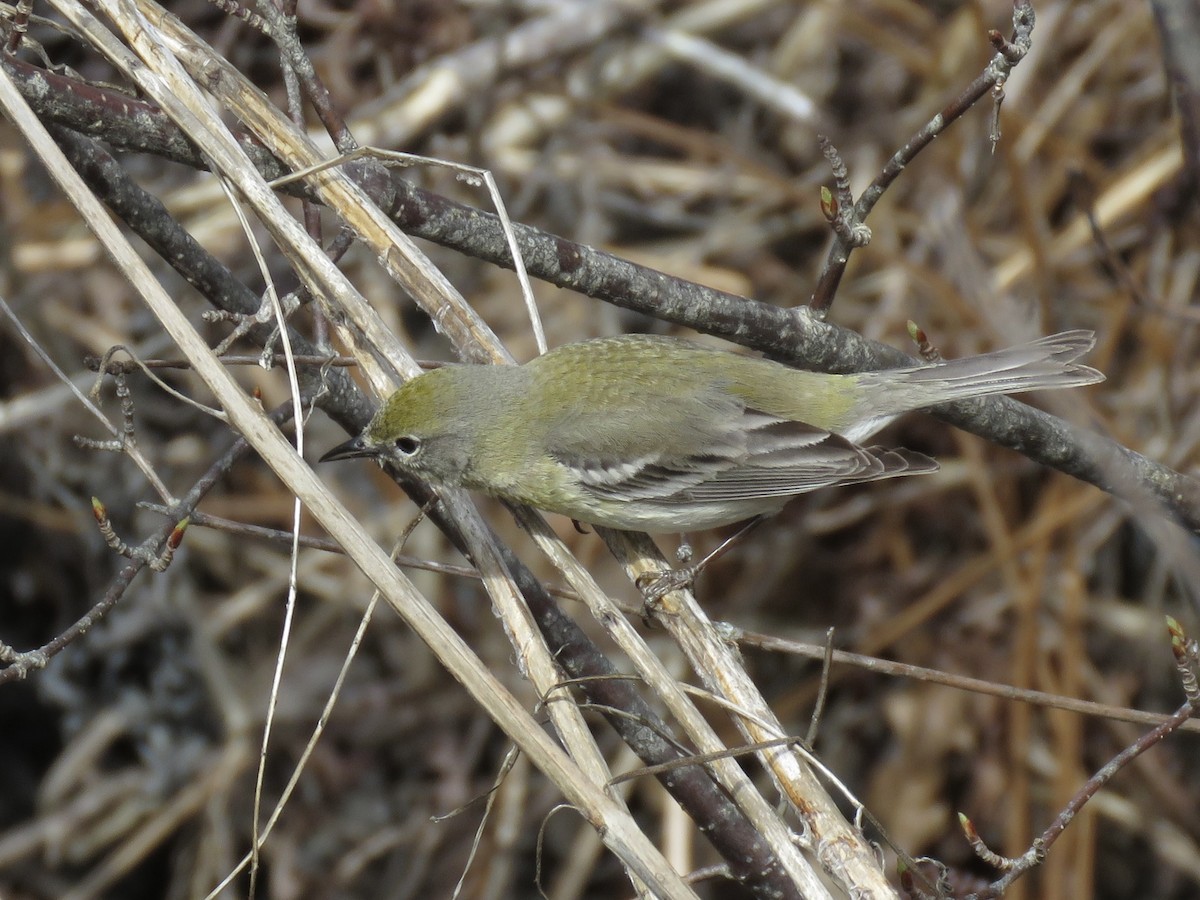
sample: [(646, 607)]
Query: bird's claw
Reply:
[(656, 585)]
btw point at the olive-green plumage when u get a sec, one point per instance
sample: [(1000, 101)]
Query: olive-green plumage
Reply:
[(660, 434)]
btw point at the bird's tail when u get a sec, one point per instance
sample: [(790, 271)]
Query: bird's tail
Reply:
[(1045, 364)]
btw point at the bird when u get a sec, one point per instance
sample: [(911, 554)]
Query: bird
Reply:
[(661, 434)]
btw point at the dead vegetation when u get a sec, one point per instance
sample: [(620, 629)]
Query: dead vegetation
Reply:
[(677, 138)]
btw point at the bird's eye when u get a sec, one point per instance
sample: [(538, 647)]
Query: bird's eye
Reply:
[(407, 444)]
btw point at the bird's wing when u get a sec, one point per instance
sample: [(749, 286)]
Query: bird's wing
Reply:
[(744, 456)]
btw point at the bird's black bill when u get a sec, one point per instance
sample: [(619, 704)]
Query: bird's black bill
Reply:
[(353, 449)]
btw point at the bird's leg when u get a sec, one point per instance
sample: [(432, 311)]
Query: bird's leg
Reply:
[(655, 587)]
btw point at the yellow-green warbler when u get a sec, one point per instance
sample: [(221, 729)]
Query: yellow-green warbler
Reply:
[(660, 434)]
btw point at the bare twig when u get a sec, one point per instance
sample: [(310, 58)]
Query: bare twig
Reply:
[(1008, 54)]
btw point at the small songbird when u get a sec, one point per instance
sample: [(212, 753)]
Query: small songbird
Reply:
[(660, 434)]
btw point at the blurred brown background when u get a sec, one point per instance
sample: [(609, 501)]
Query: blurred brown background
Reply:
[(126, 766)]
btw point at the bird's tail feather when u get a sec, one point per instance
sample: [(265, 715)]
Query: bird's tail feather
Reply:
[(1047, 363)]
